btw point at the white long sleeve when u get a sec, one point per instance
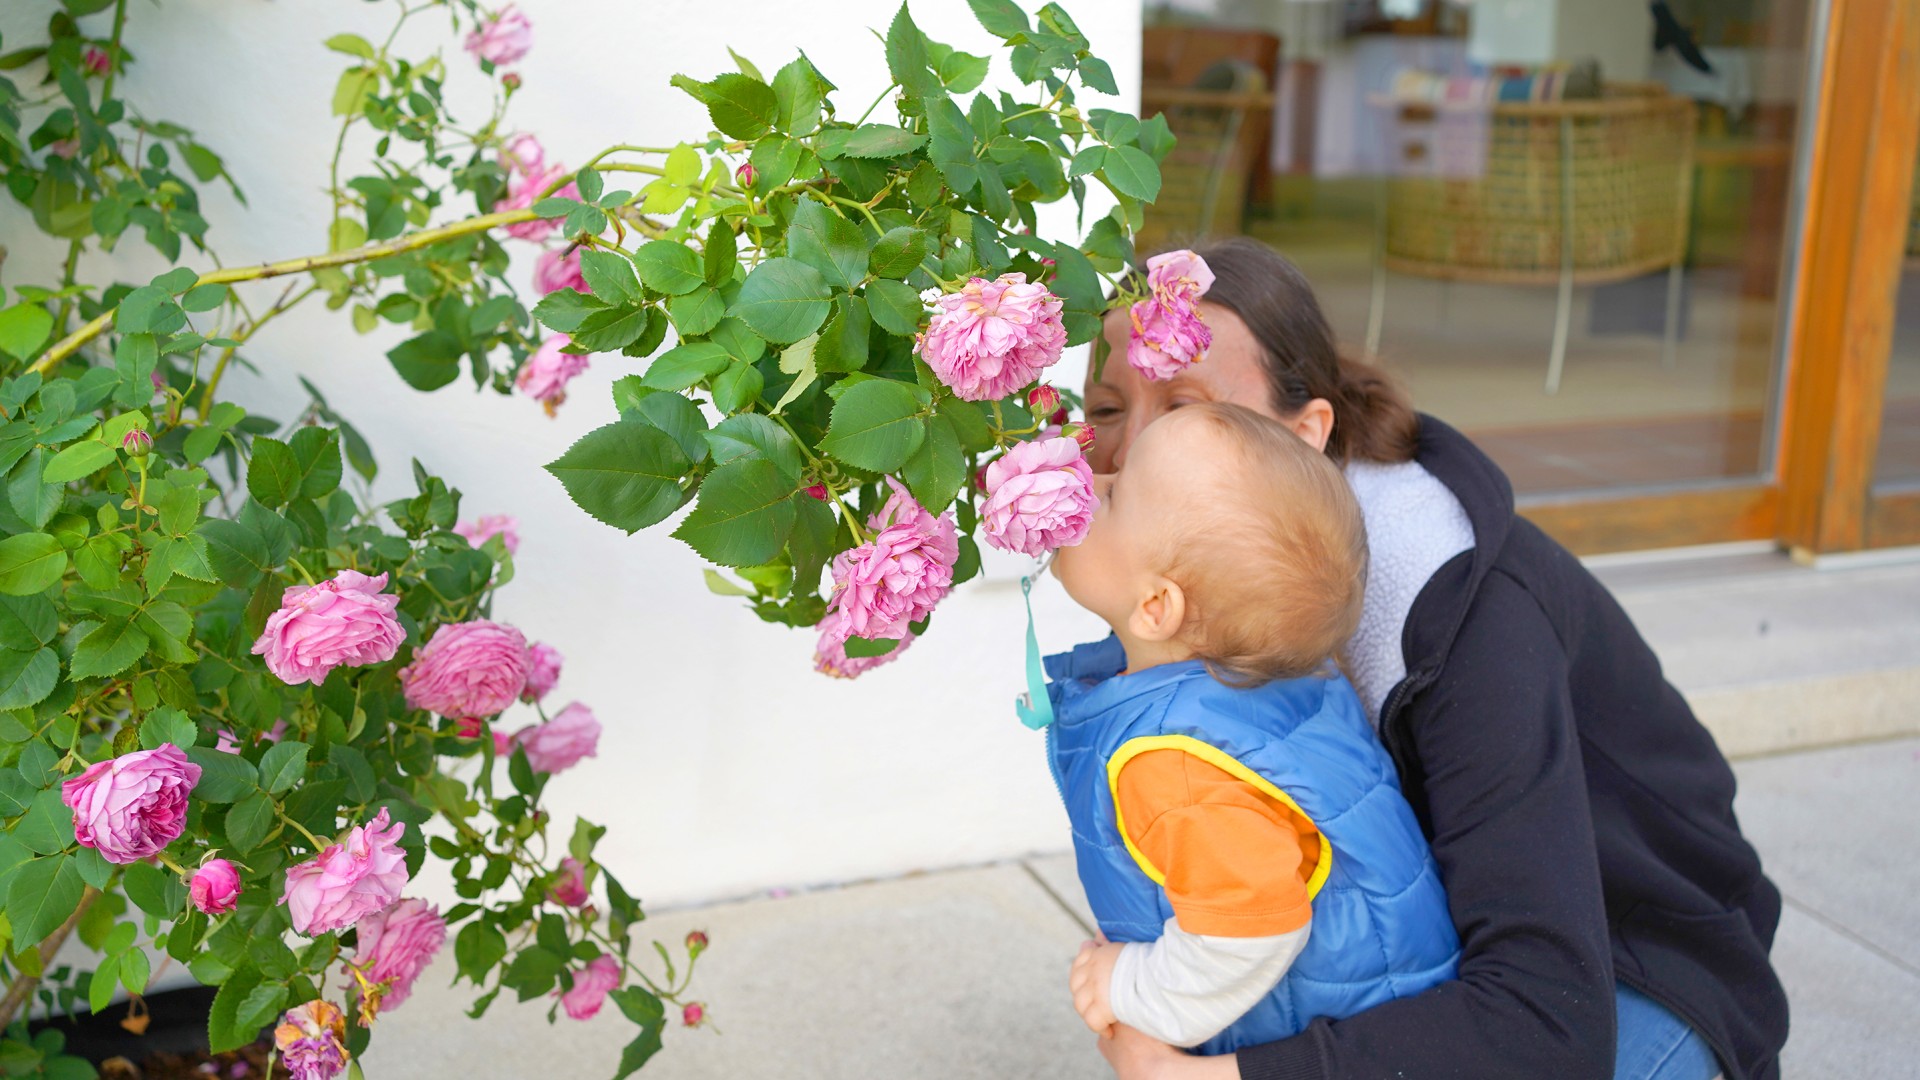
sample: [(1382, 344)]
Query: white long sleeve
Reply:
[(1186, 988)]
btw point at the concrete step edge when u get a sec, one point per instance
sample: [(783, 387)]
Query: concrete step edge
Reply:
[(1772, 718)]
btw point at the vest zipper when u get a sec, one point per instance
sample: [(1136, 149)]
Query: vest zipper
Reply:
[(1053, 765)]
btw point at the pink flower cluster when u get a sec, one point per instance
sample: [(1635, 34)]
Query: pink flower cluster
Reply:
[(1168, 331), (557, 745), (543, 671), (312, 1040), (1039, 497), (591, 985), (502, 38), (545, 376), (396, 945), (993, 337), (556, 270), (571, 889), (830, 658), (504, 526), (467, 670), (892, 581), (348, 881), (345, 621), (529, 175), (131, 807)]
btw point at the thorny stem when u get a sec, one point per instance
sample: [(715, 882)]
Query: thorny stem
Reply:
[(852, 520)]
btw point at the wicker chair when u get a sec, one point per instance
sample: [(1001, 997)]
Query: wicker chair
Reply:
[(1217, 124), (1491, 193)]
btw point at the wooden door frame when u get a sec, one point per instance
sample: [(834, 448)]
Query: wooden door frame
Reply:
[(1847, 249)]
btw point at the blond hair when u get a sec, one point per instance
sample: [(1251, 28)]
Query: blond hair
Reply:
[(1274, 563)]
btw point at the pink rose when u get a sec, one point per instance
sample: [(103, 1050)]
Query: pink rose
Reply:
[(215, 888), (993, 337), (1168, 332), (469, 669), (312, 1039), (561, 742), (556, 270), (1039, 497), (830, 656), (529, 175), (396, 945), (543, 672), (505, 526), (347, 882), (591, 984), (546, 373), (344, 621), (132, 806), (571, 889), (502, 39), (893, 580)]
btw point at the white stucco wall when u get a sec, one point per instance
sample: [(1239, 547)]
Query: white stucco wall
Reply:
[(727, 766)]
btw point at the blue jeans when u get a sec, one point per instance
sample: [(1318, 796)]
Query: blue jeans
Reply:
[(1654, 1044)]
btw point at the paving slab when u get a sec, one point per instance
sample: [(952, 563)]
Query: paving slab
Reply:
[(1835, 829), (955, 975), (1061, 877), (1852, 1011)]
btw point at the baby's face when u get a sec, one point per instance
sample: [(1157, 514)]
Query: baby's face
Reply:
[(1171, 468)]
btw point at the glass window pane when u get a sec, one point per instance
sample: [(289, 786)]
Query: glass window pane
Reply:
[(1570, 244)]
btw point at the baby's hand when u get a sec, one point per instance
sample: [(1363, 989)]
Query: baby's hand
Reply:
[(1092, 974)]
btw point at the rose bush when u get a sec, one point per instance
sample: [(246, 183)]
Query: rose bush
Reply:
[(241, 705)]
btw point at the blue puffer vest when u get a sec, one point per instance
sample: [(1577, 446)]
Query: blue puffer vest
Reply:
[(1381, 928)]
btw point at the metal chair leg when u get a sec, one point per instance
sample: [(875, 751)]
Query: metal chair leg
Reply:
[(1670, 341), (1562, 322), (1563, 314)]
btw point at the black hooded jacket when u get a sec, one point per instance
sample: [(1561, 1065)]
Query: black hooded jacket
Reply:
[(1582, 819)]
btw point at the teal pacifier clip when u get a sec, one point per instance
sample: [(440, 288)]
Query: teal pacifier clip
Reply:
[(1034, 706)]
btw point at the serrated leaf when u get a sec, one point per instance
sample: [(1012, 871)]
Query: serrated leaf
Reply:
[(80, 459), (895, 306), (686, 365), (40, 896), (1132, 173), (876, 426), (898, 252), (108, 649), (670, 267), (30, 562), (627, 474), (869, 141), (741, 106), (282, 766), (610, 276), (743, 516), (249, 821), (936, 472), (783, 300)]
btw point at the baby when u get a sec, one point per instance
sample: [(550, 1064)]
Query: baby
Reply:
[(1239, 829)]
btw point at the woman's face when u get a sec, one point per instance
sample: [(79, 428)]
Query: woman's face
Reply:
[(1122, 402)]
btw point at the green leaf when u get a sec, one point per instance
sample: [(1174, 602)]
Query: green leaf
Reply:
[(590, 184), (477, 949), (937, 470), (30, 562), (1132, 173), (317, 452), (154, 890), (797, 96), (429, 361), (829, 243), (27, 622), (1001, 18), (204, 298), (563, 309), (34, 500), (869, 141), (952, 150), (876, 426), (907, 57), (533, 972), (898, 252), (751, 433), (1156, 137), (80, 459), (135, 969), (224, 777), (741, 106), (783, 300), (610, 275), (168, 725), (106, 976), (237, 554), (671, 413), (686, 365), (627, 474), (225, 1031), (962, 72), (612, 329), (249, 821), (47, 828), (639, 1005), (41, 896), (844, 340), (670, 267), (283, 765), (737, 387), (26, 678), (273, 476), (23, 329), (895, 306), (860, 648), (351, 44), (1088, 160), (108, 649), (743, 516), (698, 311)]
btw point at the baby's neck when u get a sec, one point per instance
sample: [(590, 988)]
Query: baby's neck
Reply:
[(1142, 655)]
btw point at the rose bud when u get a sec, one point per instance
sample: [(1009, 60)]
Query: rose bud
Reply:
[(1059, 416), (696, 942), (819, 491), (215, 888), (1043, 399), (137, 443), (693, 1015), (1080, 433), (95, 61), (511, 80), (746, 174), (980, 478)]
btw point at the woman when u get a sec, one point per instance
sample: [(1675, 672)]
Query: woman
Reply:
[(1613, 921)]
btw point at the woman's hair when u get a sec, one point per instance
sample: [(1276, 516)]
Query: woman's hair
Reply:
[(1372, 418), (1274, 561)]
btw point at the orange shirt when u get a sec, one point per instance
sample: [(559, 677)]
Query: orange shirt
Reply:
[(1236, 860)]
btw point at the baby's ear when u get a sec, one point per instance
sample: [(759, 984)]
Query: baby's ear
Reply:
[(1161, 613)]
